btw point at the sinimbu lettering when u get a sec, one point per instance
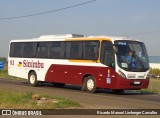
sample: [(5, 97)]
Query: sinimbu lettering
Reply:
[(33, 64)]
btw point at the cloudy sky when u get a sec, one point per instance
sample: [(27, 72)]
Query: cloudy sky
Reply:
[(138, 19)]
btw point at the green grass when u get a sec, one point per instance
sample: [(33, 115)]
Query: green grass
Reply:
[(4, 74), (11, 100), (64, 103), (154, 86)]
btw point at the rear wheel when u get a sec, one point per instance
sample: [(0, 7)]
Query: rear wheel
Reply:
[(32, 78), (90, 85)]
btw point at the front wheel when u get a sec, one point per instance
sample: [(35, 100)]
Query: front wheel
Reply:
[(90, 85), (32, 78)]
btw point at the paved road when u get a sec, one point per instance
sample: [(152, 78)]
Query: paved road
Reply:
[(102, 99)]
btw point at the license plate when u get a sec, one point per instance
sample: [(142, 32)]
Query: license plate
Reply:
[(136, 82), (108, 80)]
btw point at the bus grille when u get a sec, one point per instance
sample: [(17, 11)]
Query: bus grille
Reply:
[(141, 77), (131, 77)]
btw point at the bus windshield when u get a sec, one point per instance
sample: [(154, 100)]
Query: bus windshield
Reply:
[(132, 56)]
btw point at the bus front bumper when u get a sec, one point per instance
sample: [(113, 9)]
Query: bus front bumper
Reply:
[(131, 84)]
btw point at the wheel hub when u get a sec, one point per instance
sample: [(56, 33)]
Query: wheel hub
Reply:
[(32, 79), (90, 84)]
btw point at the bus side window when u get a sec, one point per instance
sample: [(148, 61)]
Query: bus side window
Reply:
[(16, 50), (57, 50), (73, 50), (29, 50), (90, 50), (42, 50), (11, 54)]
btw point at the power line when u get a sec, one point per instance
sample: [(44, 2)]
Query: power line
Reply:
[(47, 12)]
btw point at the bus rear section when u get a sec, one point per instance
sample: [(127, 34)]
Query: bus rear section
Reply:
[(91, 62)]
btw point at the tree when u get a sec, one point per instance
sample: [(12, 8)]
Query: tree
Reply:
[(3, 59)]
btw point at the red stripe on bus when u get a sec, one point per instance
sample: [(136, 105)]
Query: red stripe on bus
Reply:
[(74, 74)]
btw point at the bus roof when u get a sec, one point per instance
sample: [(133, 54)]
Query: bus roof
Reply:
[(71, 37)]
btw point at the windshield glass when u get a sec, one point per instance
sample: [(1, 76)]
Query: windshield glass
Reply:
[(132, 56)]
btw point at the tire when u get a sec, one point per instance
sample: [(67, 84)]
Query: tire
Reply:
[(118, 91), (32, 78), (60, 85), (90, 84)]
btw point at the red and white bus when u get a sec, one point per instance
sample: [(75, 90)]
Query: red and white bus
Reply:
[(91, 62)]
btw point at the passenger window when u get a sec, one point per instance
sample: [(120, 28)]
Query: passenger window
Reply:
[(16, 50), (73, 50), (29, 50), (90, 50), (11, 54), (57, 50), (42, 50)]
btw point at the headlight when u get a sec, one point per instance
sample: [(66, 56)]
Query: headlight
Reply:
[(120, 73)]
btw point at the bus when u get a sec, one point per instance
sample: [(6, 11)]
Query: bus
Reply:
[(92, 62)]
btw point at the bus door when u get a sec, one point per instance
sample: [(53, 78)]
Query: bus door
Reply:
[(108, 58)]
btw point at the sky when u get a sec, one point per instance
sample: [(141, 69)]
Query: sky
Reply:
[(139, 19)]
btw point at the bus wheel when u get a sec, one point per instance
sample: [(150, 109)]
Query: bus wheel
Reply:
[(33, 79), (60, 85), (90, 85), (118, 91)]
